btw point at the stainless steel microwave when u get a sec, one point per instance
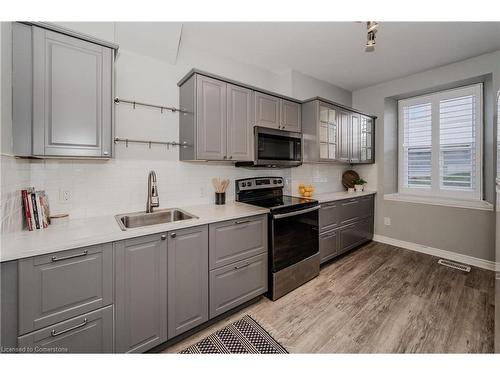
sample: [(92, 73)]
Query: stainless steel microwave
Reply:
[(275, 149)]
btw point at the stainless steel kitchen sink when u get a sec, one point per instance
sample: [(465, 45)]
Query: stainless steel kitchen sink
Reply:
[(142, 219)]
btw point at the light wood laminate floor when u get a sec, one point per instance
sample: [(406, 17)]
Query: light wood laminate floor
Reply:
[(379, 299)]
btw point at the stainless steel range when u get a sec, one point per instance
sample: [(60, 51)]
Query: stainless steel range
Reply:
[(292, 234)]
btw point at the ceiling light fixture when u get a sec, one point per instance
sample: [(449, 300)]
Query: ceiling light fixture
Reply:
[(372, 28)]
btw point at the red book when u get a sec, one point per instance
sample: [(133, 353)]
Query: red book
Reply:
[(27, 212)]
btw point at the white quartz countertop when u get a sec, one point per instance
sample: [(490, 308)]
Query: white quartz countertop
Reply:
[(339, 195), (97, 230)]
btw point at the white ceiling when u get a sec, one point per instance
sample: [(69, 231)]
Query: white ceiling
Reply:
[(334, 51)]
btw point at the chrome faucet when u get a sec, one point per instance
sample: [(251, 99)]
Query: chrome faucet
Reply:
[(153, 199)]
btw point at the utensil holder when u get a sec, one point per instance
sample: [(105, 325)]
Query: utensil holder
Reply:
[(220, 198)]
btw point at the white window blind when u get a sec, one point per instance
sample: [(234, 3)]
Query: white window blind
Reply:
[(440, 143)]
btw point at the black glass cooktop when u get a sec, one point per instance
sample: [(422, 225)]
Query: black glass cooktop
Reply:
[(284, 201)]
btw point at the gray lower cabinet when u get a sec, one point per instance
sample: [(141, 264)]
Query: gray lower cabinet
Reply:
[(140, 293), (65, 84), (234, 240), (237, 283), (87, 333), (344, 225), (187, 279), (329, 216), (328, 245), (59, 286)]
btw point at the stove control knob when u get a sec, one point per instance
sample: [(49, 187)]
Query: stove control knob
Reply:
[(243, 184), (280, 181)]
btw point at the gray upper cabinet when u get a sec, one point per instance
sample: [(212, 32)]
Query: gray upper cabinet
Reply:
[(187, 279), (70, 95), (140, 293), (240, 112), (267, 111), (367, 140), (355, 139), (290, 116), (217, 122), (211, 118), (344, 135), (273, 112), (336, 134)]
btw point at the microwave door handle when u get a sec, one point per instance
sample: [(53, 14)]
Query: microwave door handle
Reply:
[(295, 213)]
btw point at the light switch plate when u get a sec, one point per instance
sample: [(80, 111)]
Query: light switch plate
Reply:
[(387, 220)]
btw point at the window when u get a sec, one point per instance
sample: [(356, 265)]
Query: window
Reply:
[(440, 143)]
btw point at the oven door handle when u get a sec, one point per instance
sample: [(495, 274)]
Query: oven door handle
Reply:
[(295, 213)]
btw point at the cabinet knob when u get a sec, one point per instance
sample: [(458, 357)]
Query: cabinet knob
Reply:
[(230, 157), (163, 237), (225, 157), (106, 153), (173, 235)]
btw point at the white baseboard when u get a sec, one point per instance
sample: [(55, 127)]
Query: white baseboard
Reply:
[(472, 261)]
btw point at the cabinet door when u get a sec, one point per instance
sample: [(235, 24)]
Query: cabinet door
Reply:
[(140, 293), (290, 116), (329, 215), (237, 283), (240, 112), (355, 135), (89, 333), (343, 137), (211, 118), (59, 286), (327, 132), (367, 151), (187, 279), (234, 240), (328, 245), (72, 106), (267, 111)]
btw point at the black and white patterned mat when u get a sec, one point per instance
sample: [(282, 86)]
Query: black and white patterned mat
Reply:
[(240, 337)]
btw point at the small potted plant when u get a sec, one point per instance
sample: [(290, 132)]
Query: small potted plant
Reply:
[(359, 184)]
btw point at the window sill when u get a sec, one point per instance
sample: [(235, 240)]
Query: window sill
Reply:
[(475, 205)]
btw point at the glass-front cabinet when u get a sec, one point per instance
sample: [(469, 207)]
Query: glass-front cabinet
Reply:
[(333, 133), (366, 140), (327, 132)]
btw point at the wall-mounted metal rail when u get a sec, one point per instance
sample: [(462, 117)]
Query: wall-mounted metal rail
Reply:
[(160, 107), (150, 143)]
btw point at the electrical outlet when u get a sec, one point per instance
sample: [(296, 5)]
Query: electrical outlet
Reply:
[(64, 196), (387, 220)]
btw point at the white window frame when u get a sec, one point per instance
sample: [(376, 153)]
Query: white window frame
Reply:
[(435, 191)]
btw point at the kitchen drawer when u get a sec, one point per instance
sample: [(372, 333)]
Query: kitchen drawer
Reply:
[(366, 206), (62, 285), (328, 245), (234, 240), (88, 333), (355, 234), (232, 285), (350, 210), (329, 215)]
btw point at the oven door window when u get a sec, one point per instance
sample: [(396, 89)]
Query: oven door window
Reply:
[(294, 238), (278, 147)]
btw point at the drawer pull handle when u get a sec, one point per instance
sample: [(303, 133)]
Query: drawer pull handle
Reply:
[(54, 333), (57, 259), (242, 221), (240, 267)]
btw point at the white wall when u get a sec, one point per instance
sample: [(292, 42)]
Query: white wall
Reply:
[(119, 185), (465, 231)]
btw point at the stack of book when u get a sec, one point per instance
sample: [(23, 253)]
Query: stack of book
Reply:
[(36, 209)]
